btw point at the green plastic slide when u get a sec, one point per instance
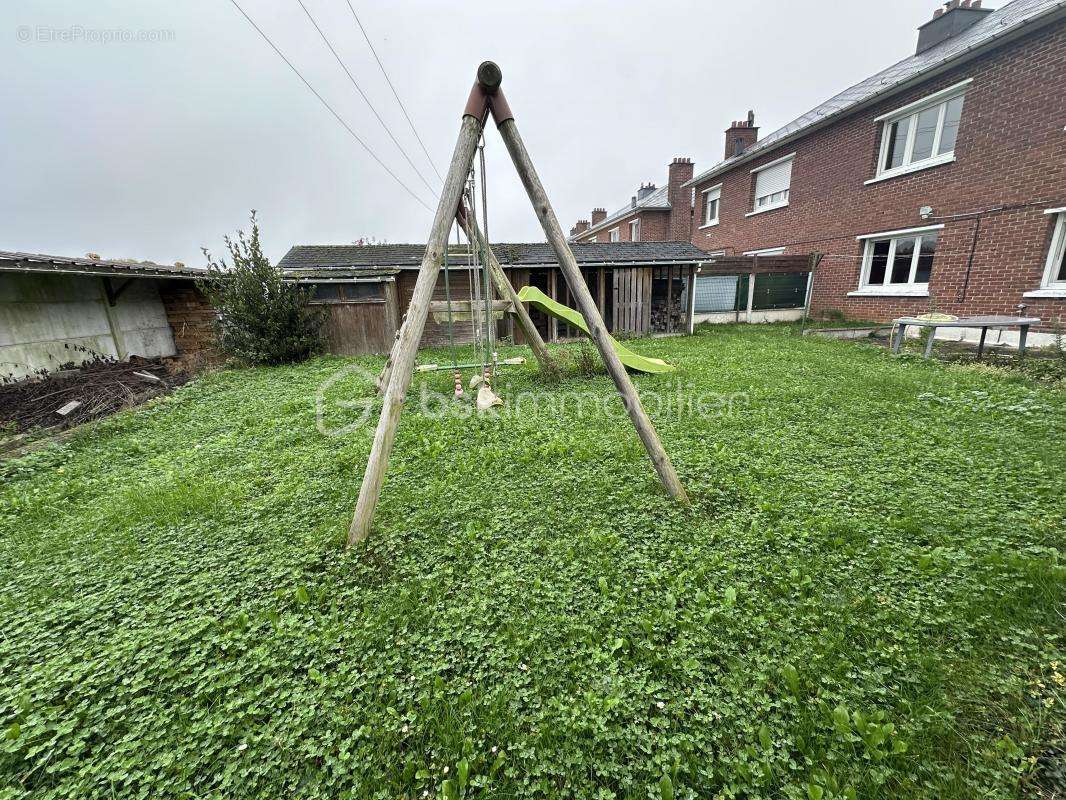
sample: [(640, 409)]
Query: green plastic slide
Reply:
[(536, 298)]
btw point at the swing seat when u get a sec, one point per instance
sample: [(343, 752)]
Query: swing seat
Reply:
[(460, 310), (487, 399)]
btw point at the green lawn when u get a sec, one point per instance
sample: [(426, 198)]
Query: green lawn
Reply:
[(863, 601)]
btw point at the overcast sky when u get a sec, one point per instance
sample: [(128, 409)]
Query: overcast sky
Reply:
[(151, 149)]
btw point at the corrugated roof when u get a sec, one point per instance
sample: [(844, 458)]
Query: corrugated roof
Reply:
[(302, 258), (1009, 19), (11, 261)]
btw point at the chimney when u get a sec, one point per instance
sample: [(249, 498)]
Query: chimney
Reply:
[(679, 171), (741, 135), (598, 216), (950, 20), (581, 226), (644, 190)]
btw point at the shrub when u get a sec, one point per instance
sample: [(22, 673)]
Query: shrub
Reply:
[(262, 319)]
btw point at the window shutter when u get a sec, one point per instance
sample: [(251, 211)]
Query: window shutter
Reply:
[(773, 179)]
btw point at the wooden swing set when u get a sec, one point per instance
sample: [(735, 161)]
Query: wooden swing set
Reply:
[(486, 97)]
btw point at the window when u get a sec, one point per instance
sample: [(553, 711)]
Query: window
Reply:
[(634, 231), (1055, 273), (899, 262), (346, 292), (364, 290), (595, 238), (773, 182), (922, 134), (612, 235), (769, 251), (325, 293), (712, 198)]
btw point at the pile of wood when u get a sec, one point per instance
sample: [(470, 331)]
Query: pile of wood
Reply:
[(72, 396), (663, 308)]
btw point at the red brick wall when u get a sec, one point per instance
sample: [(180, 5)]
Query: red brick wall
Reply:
[(654, 227), (191, 318), (1010, 168), (672, 225)]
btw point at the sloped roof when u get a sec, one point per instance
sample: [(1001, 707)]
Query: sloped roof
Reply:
[(321, 259), (11, 261), (1013, 18)]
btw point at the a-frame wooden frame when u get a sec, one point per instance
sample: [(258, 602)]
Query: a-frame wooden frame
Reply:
[(486, 97)]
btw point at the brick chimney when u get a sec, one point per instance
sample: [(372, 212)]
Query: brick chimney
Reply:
[(950, 20), (678, 171), (581, 226), (598, 216), (741, 135), (644, 190)]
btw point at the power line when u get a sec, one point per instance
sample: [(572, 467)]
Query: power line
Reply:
[(370, 105), (399, 102), (322, 100)]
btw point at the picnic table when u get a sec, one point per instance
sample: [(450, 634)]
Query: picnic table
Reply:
[(999, 322)]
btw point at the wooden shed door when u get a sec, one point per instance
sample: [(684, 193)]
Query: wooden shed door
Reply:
[(632, 300), (359, 325)]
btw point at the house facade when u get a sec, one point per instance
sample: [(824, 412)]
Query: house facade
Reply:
[(653, 214), (938, 184)]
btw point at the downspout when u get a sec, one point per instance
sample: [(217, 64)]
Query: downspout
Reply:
[(961, 297)]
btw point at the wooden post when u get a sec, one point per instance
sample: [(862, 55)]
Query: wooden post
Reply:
[(690, 312), (751, 292), (815, 259), (670, 300), (601, 291), (586, 305), (406, 346)]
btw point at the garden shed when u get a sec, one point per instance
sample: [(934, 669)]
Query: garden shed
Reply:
[(56, 310), (641, 288)]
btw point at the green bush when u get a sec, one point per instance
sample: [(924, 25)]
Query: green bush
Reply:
[(262, 319)]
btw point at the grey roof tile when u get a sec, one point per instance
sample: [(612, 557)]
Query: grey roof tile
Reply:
[(302, 258), (12, 261), (1005, 20)]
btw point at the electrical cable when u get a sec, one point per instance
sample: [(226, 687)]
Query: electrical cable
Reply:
[(399, 102), (330, 108), (362, 94)]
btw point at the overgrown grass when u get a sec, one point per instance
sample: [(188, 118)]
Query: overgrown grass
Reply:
[(863, 601)]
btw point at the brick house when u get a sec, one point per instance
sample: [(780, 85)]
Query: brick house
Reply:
[(653, 214), (937, 184)]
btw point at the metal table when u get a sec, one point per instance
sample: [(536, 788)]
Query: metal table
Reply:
[(983, 322)]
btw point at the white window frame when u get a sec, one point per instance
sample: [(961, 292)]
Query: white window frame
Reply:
[(707, 199), (1050, 285), (910, 112), (766, 251), (594, 238), (785, 194), (886, 289), (634, 230), (613, 235)]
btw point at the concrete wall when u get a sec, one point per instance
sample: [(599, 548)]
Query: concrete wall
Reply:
[(769, 315), (50, 320)]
